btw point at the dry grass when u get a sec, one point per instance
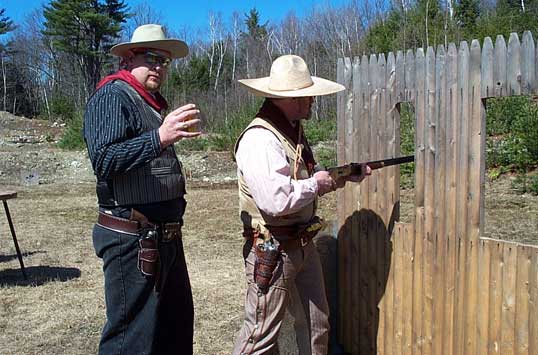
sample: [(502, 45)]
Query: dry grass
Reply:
[(61, 311)]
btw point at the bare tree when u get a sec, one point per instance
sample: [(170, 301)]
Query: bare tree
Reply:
[(143, 14), (236, 30)]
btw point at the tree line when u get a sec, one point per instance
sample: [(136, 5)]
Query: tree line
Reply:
[(53, 58), (56, 55)]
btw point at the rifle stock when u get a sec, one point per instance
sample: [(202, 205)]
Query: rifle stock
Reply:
[(355, 168)]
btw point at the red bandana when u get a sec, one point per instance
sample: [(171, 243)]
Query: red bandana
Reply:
[(156, 101)]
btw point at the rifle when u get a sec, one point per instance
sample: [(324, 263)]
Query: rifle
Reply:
[(355, 168)]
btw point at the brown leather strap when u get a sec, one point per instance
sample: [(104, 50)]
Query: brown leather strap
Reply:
[(295, 241), (168, 231), (118, 224), (284, 231), (291, 244)]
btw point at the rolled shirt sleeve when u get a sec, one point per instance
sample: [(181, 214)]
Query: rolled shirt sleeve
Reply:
[(262, 160)]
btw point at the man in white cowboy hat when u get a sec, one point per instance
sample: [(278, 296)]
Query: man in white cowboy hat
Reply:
[(278, 189), (140, 192)]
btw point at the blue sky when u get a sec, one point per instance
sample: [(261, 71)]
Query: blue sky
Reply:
[(194, 13)]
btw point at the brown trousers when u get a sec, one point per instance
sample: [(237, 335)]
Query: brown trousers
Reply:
[(297, 285)]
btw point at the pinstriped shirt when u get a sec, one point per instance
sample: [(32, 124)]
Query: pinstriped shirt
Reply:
[(126, 153), (109, 131)]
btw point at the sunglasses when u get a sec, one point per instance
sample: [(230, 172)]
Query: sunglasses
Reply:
[(154, 59)]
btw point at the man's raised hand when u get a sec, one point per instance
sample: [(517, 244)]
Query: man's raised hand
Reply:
[(176, 125)]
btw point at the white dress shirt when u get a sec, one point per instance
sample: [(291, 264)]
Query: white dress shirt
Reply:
[(262, 160)]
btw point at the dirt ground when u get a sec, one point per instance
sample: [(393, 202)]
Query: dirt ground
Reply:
[(61, 309)]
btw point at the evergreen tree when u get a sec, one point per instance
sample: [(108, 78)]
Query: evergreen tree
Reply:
[(253, 45), (256, 30), (6, 64), (86, 30), (384, 35), (466, 14), (6, 25)]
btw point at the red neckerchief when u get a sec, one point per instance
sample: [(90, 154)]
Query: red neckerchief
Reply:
[(271, 113), (156, 100)]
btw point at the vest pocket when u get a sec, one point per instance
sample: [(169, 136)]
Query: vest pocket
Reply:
[(165, 170)]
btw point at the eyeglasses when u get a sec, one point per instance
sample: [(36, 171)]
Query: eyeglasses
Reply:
[(154, 59)]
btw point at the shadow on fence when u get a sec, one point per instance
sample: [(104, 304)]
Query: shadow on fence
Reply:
[(365, 249)]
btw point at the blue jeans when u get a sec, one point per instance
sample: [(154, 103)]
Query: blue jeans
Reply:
[(143, 318)]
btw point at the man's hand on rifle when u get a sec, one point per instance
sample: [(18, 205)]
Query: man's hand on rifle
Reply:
[(327, 184), (366, 171)]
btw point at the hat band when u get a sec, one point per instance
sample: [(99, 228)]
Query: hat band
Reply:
[(294, 89)]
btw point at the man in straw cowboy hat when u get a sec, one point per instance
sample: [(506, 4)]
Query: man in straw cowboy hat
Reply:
[(140, 192), (278, 190)]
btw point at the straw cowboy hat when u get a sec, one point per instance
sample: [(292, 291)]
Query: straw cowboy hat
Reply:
[(151, 36), (290, 77)]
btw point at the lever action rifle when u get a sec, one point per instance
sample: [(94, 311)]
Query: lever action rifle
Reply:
[(355, 168)]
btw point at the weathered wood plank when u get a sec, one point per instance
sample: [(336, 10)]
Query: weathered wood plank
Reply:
[(399, 77), (429, 198), (394, 150), (528, 61), (477, 114), (340, 116), (410, 76), (408, 291), (522, 300), (499, 67), (513, 66), (385, 291), (392, 116), (418, 272), (461, 192), (364, 269), (420, 113), (471, 297), (353, 195), (397, 270), (439, 212), (482, 310), (348, 204), (364, 126), (533, 303), (452, 127), (488, 86), (373, 188), (418, 283), (508, 299), (495, 296), (345, 78), (393, 138), (7, 195)]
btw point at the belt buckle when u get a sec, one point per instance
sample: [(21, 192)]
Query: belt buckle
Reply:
[(304, 241)]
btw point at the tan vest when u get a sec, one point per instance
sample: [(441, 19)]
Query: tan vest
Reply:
[(250, 214)]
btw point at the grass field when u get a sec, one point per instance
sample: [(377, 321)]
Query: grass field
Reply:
[(61, 309)]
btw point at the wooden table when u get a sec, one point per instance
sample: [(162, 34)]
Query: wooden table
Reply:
[(4, 196)]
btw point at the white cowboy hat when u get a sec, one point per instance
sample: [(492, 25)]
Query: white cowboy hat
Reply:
[(290, 77), (151, 36)]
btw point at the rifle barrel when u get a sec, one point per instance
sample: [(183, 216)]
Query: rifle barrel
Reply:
[(376, 164), (355, 168)]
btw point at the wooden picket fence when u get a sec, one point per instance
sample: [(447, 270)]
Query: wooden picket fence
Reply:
[(433, 286)]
